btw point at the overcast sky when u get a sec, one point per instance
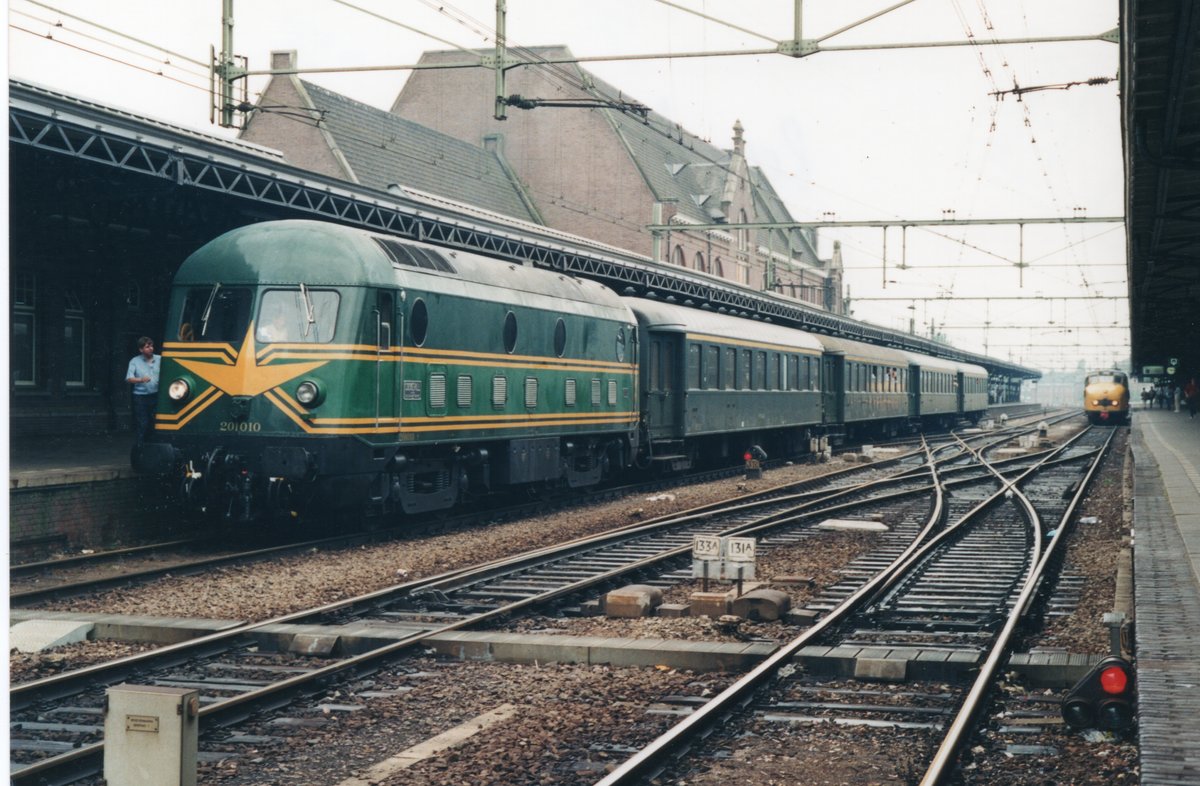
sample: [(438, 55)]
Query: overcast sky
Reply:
[(850, 135)]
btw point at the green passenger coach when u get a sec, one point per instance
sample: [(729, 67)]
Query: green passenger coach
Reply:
[(315, 364)]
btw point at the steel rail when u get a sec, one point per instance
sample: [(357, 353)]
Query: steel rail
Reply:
[(84, 758), (947, 754), (641, 763), (644, 760)]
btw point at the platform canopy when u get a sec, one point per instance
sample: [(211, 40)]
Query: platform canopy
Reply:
[(1160, 97)]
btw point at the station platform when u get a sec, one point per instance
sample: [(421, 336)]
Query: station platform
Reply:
[(1166, 528), (69, 493)]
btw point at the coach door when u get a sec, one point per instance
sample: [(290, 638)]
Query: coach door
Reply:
[(660, 386), (833, 378), (385, 369)]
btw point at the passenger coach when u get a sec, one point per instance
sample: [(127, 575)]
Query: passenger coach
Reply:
[(712, 384)]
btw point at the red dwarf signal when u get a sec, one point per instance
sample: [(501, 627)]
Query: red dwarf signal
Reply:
[(1104, 698)]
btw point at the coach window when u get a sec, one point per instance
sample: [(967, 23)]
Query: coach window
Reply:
[(727, 368), (22, 345), (418, 322), (74, 341), (693, 366), (743, 370), (712, 367), (510, 332), (560, 338)]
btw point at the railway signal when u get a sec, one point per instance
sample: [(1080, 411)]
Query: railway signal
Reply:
[(1104, 698)]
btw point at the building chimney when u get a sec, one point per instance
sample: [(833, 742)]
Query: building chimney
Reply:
[(283, 58), (739, 144)]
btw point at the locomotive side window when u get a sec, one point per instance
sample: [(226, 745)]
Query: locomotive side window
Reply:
[(510, 332), (595, 392), (569, 393), (465, 386), (418, 322), (612, 392), (531, 392), (621, 346), (499, 392), (297, 315), (215, 313)]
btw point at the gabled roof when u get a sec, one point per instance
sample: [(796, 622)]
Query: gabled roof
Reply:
[(678, 165), (382, 149)]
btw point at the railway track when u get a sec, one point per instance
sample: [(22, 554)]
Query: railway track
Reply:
[(959, 597), (55, 718)]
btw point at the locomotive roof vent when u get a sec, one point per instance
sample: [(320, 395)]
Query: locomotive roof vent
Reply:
[(414, 256)]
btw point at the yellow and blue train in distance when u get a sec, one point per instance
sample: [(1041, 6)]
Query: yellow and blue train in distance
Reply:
[(318, 367), (1106, 396)]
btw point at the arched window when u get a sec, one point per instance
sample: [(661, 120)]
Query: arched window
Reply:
[(699, 262), (718, 268), (677, 257)]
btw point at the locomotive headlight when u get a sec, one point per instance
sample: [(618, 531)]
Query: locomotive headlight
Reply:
[(308, 394), (179, 390)]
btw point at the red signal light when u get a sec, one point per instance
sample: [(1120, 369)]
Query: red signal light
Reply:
[(747, 456), (1114, 680)]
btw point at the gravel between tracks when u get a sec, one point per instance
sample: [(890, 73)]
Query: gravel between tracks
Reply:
[(262, 591), (562, 711)]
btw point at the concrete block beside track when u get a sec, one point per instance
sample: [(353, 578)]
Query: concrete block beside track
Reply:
[(636, 600), (762, 604), (38, 635), (135, 628)]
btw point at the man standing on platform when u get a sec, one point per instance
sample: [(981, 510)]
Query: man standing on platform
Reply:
[(143, 375), (1191, 395)]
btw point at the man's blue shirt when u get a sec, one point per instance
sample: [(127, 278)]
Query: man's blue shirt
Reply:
[(140, 367)]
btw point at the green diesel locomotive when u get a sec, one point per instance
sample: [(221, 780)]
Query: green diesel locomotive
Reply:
[(315, 364)]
